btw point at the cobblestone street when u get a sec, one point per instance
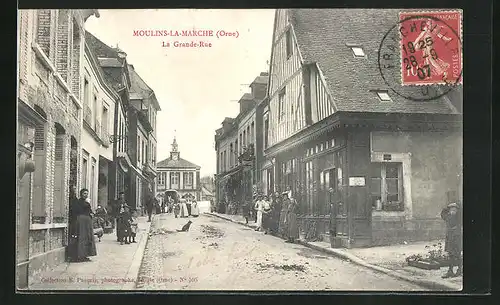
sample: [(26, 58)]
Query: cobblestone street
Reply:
[(219, 255)]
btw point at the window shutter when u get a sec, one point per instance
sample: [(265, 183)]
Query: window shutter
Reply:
[(38, 208), (59, 180), (39, 137)]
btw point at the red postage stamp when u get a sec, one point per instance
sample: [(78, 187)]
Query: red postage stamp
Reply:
[(431, 47)]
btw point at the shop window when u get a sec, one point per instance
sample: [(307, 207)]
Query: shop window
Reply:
[(386, 186)]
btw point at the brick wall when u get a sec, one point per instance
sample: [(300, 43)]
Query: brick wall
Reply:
[(40, 87)]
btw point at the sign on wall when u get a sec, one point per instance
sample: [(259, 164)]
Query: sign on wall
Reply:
[(356, 181)]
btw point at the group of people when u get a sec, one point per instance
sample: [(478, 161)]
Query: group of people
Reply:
[(126, 221), (184, 209), (277, 216)]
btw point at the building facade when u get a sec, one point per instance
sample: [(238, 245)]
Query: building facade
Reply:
[(99, 104), (143, 132), (334, 124), (51, 54), (175, 173), (113, 63), (235, 143)]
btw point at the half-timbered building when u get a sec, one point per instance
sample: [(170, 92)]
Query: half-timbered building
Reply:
[(335, 124)]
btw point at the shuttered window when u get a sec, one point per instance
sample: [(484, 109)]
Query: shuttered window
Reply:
[(39, 176), (59, 176)]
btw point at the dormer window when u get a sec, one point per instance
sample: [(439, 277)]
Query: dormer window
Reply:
[(358, 51), (383, 95)]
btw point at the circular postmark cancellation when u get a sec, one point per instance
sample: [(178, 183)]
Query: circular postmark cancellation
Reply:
[(426, 48)]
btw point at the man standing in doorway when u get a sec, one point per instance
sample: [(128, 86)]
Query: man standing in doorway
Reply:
[(335, 202), (150, 201)]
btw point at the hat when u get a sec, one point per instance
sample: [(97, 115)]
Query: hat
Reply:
[(453, 205)]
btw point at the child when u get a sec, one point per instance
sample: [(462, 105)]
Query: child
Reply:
[(125, 220), (177, 209), (133, 226)]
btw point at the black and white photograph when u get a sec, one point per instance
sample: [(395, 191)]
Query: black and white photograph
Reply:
[(239, 150)]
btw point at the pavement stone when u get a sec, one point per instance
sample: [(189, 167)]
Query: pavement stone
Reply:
[(389, 260), (114, 268)]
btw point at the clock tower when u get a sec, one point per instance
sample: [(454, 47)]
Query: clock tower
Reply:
[(174, 154)]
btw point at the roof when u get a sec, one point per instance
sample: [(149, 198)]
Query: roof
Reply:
[(179, 163), (246, 97), (110, 62), (108, 58), (261, 80), (322, 36), (141, 90)]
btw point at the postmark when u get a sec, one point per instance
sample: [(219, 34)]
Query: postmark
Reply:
[(426, 48)]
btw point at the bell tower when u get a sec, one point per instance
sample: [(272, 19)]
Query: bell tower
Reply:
[(174, 154)]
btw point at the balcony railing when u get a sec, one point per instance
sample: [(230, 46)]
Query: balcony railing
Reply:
[(87, 115)]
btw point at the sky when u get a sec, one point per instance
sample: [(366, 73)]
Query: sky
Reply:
[(196, 87)]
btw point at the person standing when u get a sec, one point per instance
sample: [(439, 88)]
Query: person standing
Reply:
[(335, 201), (150, 202), (84, 233), (451, 214), (188, 205), (259, 208), (72, 249), (125, 221), (282, 229), (117, 207), (177, 209), (291, 221), (195, 211), (184, 212), (266, 215), (276, 211)]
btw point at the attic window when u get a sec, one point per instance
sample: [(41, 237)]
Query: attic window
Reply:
[(383, 95), (358, 51)]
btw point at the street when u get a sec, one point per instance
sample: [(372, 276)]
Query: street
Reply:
[(219, 255)]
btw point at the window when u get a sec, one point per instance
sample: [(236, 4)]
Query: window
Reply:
[(266, 132), (139, 151), (85, 166), (383, 95), (39, 176), (244, 139), (386, 186), (237, 148), (289, 44), (92, 184), (44, 32), (104, 127), (174, 180), (252, 131), (281, 103), (161, 179), (358, 52), (94, 110), (59, 177), (188, 180), (86, 91)]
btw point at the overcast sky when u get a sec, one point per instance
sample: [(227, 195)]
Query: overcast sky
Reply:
[(196, 87)]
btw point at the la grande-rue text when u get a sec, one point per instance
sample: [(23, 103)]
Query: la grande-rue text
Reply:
[(191, 44)]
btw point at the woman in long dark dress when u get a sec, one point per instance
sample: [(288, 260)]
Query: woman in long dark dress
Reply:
[(291, 221), (72, 250), (282, 228), (276, 211), (85, 243)]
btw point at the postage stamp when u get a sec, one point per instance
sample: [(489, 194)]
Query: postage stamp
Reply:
[(426, 48), (431, 49)]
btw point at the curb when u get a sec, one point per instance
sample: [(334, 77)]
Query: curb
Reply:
[(433, 285), (133, 271)]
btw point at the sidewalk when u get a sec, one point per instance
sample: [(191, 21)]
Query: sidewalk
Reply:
[(115, 267), (389, 260)]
